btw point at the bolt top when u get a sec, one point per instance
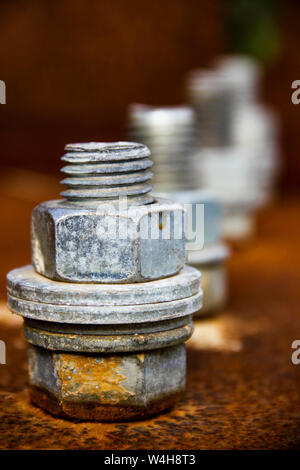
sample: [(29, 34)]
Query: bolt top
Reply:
[(146, 115), (105, 151), (204, 80), (239, 69)]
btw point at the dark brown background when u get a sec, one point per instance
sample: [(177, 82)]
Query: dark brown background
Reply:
[(71, 68)]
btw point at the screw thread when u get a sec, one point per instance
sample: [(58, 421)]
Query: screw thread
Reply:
[(100, 171)]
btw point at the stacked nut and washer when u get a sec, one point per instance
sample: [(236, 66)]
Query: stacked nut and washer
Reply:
[(106, 315)]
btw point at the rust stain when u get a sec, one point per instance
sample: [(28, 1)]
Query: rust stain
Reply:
[(79, 374), (141, 357), (95, 411)]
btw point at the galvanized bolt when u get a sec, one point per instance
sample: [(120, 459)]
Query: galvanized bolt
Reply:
[(237, 157), (104, 343), (170, 134)]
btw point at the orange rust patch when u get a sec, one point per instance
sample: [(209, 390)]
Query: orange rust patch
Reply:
[(141, 357), (82, 375)]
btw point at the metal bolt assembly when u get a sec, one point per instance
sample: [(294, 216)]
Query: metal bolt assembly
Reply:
[(107, 302)]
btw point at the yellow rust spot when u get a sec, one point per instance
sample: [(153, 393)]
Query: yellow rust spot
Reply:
[(83, 376), (141, 357)]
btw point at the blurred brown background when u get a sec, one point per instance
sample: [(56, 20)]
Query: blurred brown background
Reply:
[(71, 68)]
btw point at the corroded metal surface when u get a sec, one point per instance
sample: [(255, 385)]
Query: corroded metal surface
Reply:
[(106, 387), (108, 330), (82, 342)]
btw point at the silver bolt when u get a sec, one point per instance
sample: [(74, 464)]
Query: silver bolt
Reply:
[(170, 134), (237, 153)]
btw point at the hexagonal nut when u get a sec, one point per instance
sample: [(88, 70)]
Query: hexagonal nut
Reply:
[(106, 387), (108, 244)]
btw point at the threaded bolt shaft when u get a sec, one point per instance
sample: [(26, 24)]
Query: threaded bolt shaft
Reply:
[(100, 172)]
